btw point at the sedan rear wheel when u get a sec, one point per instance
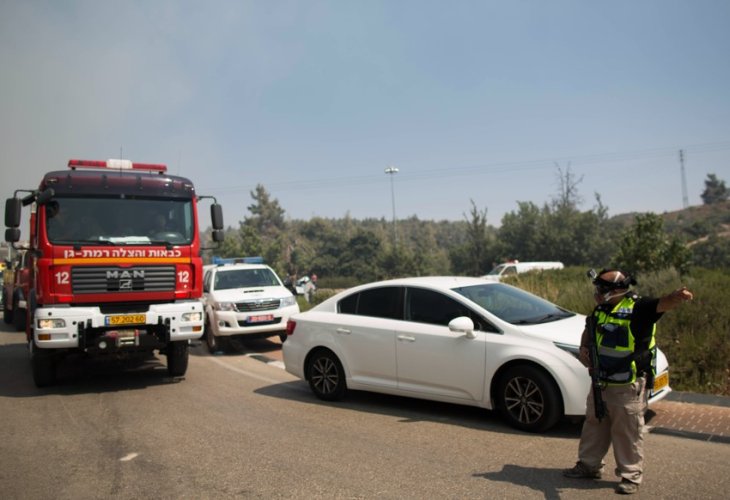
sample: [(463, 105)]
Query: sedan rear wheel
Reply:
[(528, 399), (326, 375)]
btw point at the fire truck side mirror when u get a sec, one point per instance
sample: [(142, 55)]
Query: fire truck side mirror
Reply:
[(12, 235), (217, 235), (216, 217), (13, 209)]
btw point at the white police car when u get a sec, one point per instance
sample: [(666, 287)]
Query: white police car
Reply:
[(244, 301)]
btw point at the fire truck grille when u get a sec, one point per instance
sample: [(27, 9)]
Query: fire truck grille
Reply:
[(259, 305), (122, 279)]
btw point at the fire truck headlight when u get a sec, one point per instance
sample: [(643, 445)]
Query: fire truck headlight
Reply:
[(193, 316), (45, 324)]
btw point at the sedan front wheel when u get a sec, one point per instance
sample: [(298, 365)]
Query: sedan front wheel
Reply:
[(326, 376), (528, 399)]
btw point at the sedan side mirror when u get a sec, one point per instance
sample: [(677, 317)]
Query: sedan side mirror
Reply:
[(464, 325)]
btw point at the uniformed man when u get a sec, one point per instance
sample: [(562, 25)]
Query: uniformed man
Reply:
[(622, 327)]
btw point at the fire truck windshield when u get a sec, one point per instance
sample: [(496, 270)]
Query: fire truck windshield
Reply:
[(119, 221)]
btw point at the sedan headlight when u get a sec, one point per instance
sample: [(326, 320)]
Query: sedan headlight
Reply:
[(44, 324), (288, 301), (225, 306), (193, 316)]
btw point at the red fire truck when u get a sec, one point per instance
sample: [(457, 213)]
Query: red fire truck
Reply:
[(114, 263)]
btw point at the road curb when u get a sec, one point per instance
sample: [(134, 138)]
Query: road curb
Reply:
[(703, 417), (697, 398), (699, 436)]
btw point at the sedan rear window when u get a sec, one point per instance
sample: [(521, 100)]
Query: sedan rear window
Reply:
[(383, 302)]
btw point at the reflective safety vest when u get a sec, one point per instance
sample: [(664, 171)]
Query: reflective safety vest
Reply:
[(620, 354)]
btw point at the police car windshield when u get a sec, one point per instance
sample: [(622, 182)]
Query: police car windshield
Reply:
[(244, 278)]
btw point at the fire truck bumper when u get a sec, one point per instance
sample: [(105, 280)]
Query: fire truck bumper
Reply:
[(62, 327)]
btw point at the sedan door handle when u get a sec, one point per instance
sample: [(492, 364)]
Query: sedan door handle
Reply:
[(343, 331), (406, 338)]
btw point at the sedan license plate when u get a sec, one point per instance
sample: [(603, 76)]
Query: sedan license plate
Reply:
[(125, 319), (661, 382), (260, 319)]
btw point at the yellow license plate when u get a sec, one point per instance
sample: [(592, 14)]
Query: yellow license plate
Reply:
[(661, 381), (125, 319)]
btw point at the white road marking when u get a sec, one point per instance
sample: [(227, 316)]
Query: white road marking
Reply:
[(278, 364), (243, 372), (128, 457)]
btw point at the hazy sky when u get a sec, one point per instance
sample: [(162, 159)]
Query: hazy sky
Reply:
[(470, 100)]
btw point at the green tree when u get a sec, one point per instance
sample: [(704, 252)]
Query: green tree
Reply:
[(568, 197), (520, 232), (359, 257), (396, 262), (267, 217), (477, 254), (428, 256), (317, 245), (574, 237), (559, 231), (264, 231), (230, 247), (646, 247), (715, 190), (712, 253)]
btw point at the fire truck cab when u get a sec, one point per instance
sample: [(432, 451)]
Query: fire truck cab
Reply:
[(114, 263)]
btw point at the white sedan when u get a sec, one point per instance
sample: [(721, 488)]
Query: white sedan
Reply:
[(453, 339)]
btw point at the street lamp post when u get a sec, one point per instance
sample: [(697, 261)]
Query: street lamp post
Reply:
[(392, 171)]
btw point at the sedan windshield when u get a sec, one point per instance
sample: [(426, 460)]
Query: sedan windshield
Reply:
[(512, 304), (119, 221)]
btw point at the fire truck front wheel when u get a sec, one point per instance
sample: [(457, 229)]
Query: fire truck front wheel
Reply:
[(43, 362), (177, 358), (18, 317)]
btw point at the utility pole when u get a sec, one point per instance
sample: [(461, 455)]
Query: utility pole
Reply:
[(685, 201), (392, 171)]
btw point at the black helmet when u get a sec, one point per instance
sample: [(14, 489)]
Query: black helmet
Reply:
[(611, 285)]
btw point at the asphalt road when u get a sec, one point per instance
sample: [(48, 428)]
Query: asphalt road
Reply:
[(239, 428)]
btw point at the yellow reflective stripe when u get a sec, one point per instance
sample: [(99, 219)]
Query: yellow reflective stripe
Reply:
[(123, 260)]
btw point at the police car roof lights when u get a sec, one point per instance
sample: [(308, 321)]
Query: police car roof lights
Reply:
[(220, 261)]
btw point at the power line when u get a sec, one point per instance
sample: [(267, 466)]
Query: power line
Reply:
[(489, 168)]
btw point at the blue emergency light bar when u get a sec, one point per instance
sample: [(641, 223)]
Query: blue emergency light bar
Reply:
[(219, 261)]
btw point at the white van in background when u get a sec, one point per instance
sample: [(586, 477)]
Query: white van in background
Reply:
[(516, 267)]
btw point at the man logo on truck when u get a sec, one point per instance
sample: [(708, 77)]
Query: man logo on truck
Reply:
[(125, 280), (136, 273)]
